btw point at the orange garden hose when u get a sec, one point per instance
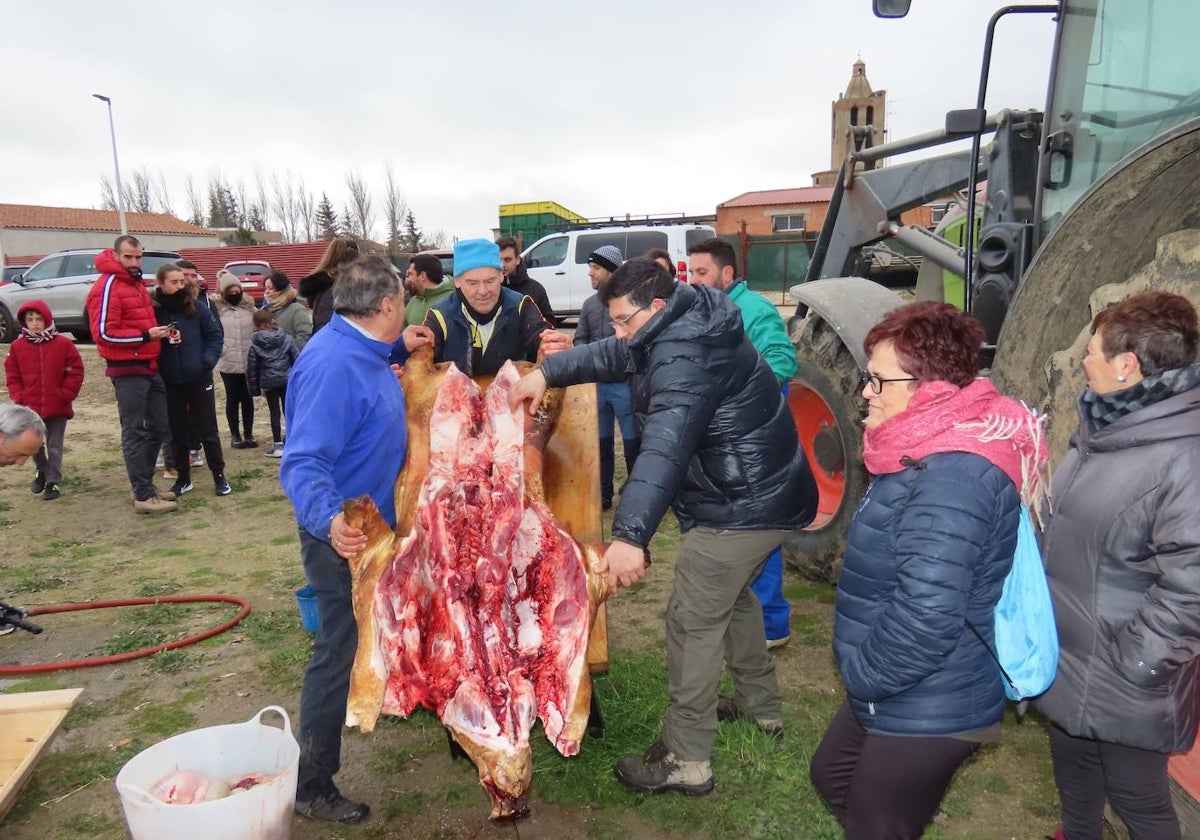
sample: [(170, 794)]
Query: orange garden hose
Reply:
[(45, 667)]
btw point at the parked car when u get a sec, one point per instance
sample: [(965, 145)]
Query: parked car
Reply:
[(11, 272), (253, 275), (445, 257), (63, 281), (559, 260)]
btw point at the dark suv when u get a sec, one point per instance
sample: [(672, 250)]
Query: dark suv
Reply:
[(62, 281)]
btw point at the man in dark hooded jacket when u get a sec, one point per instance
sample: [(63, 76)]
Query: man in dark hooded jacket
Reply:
[(518, 279), (718, 446)]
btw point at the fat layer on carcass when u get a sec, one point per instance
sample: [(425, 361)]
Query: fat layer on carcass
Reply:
[(481, 611)]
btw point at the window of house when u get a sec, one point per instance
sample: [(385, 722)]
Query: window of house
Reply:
[(938, 212), (780, 224)]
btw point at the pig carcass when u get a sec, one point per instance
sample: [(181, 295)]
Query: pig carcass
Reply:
[(479, 605)]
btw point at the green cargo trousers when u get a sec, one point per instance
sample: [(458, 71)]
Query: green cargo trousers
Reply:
[(712, 614)]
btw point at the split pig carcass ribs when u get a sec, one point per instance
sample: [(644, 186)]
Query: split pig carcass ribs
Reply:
[(479, 605)]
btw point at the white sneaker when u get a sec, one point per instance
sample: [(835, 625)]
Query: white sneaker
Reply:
[(195, 459), (5, 629)]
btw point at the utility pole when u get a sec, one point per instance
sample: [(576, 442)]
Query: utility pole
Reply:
[(116, 166)]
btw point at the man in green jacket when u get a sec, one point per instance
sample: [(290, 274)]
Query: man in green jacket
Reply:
[(424, 279), (713, 262)]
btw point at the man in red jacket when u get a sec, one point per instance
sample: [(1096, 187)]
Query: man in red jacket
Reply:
[(128, 337)]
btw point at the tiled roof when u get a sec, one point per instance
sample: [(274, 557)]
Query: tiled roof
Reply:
[(797, 195), (34, 217), (296, 259)]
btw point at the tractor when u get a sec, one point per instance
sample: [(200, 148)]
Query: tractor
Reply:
[(1066, 211), (1091, 200)]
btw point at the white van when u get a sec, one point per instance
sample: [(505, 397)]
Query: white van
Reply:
[(559, 260)]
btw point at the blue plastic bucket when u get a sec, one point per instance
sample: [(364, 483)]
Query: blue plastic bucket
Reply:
[(307, 601)]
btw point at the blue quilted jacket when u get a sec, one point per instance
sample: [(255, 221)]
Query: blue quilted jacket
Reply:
[(928, 549)]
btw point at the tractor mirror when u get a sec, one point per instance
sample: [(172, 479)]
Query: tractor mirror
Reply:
[(966, 121), (890, 8)]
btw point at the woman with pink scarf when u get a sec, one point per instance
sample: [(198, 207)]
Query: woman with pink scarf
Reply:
[(927, 552)]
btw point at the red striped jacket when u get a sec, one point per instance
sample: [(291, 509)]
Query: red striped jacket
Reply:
[(120, 314)]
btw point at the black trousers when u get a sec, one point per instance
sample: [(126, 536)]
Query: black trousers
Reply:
[(192, 409), (237, 395), (275, 398), (1135, 781), (883, 787)]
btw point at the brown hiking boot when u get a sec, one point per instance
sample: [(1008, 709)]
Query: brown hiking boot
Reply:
[(155, 504), (659, 770), (728, 709)]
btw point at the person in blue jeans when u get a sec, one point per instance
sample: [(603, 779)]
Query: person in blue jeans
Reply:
[(346, 438), (612, 398), (713, 262)]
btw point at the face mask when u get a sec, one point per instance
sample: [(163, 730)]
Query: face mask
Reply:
[(234, 298)]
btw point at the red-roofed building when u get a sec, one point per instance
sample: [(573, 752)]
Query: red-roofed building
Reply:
[(765, 212), (33, 229)]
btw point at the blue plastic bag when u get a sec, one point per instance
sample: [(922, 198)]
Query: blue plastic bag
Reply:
[(1025, 633)]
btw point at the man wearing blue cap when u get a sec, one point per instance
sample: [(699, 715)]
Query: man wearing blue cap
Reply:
[(485, 324)]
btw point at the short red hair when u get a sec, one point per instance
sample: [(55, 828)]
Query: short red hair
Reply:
[(933, 341)]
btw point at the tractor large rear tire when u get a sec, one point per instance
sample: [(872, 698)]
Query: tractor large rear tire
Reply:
[(1110, 235), (825, 402)]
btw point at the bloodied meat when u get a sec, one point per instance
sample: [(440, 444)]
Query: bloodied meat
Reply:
[(481, 610)]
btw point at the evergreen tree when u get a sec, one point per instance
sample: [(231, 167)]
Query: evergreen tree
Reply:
[(327, 220), (412, 234), (255, 221)]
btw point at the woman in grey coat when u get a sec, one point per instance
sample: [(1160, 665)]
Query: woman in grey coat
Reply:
[(1122, 552)]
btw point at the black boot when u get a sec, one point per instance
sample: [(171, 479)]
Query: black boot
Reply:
[(608, 456)]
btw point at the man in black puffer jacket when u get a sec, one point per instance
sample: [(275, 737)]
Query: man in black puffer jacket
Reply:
[(718, 446)]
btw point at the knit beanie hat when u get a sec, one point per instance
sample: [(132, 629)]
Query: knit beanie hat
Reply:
[(607, 256), (227, 278), (475, 253)]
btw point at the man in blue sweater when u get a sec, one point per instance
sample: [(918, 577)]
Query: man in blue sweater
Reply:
[(346, 438)]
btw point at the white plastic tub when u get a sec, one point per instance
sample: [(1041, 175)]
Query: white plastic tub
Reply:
[(264, 812)]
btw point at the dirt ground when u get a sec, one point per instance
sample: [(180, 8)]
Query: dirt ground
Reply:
[(91, 545)]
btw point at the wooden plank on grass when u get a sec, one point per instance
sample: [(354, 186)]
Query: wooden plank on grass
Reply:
[(27, 725)]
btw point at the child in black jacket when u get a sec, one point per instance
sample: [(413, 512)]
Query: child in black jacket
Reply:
[(272, 354)]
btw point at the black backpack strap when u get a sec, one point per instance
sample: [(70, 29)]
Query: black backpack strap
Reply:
[(992, 654)]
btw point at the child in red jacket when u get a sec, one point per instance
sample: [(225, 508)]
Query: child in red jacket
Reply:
[(44, 372)]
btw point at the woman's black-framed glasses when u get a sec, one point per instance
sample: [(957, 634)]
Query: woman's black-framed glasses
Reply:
[(877, 382), (623, 322)]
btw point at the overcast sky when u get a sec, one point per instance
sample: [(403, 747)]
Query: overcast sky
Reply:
[(607, 108)]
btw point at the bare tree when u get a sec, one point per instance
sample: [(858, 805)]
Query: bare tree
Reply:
[(395, 208), (308, 213), (244, 204), (108, 195), (261, 206), (195, 201), (437, 239), (139, 191), (162, 194), (283, 203), (359, 210)]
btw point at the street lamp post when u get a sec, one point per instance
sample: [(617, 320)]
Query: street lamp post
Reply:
[(116, 166)]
